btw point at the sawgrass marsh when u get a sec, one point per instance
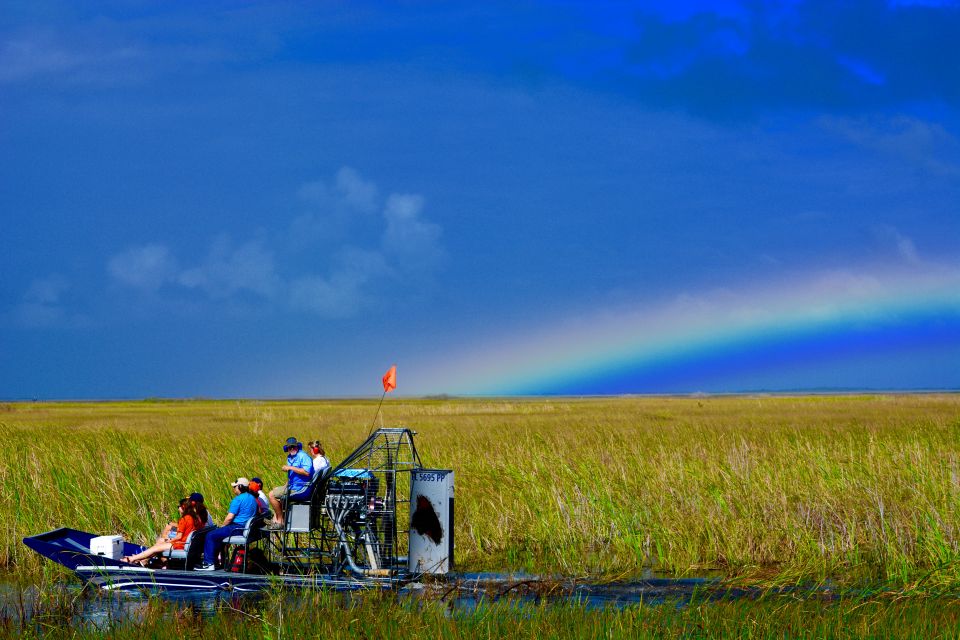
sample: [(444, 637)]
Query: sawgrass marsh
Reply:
[(848, 489)]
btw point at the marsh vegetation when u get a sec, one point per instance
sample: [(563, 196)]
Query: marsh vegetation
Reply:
[(849, 491)]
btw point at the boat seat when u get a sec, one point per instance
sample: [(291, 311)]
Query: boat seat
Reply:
[(193, 543), (252, 531), (300, 515), (306, 496)]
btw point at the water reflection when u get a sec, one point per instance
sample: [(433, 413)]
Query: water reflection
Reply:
[(464, 593)]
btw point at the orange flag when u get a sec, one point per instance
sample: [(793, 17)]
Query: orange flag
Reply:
[(390, 379)]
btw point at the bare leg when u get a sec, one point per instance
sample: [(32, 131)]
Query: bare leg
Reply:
[(277, 509), (149, 553)]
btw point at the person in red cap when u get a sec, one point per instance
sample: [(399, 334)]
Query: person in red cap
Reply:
[(256, 490)]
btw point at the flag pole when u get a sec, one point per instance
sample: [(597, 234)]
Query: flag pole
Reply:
[(378, 412), (389, 384)]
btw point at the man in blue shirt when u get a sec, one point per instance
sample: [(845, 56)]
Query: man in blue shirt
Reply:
[(242, 508), (299, 470)]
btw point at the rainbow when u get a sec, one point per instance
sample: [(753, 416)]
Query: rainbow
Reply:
[(833, 330)]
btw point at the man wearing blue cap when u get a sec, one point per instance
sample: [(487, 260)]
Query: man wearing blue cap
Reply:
[(299, 470)]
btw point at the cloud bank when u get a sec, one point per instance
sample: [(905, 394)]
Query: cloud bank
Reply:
[(282, 269)]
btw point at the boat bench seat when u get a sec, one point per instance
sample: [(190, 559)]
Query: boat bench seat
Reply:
[(198, 536), (304, 509), (252, 531)]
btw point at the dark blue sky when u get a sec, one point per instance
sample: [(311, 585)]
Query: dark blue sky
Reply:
[(270, 199)]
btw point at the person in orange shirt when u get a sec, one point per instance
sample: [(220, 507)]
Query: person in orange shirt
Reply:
[(188, 522)]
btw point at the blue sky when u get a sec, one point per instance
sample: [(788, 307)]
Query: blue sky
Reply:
[(269, 199)]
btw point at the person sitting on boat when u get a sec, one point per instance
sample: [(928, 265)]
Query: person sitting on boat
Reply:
[(196, 499), (320, 461), (299, 470), (256, 490), (188, 522), (243, 507)]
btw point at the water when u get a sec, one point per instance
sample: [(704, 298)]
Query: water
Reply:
[(464, 593)]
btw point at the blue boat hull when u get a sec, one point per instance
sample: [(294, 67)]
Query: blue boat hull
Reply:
[(71, 548), (166, 580)]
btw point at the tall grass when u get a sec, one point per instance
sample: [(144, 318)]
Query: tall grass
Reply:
[(382, 616), (774, 488)]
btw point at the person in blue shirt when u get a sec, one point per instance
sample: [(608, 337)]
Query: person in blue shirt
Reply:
[(299, 470), (242, 508)]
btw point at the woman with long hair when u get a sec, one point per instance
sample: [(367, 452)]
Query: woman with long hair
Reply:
[(320, 461), (196, 499), (188, 522)]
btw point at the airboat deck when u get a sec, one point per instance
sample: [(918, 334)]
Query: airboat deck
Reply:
[(377, 520)]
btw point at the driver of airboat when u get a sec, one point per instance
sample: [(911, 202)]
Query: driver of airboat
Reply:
[(299, 470)]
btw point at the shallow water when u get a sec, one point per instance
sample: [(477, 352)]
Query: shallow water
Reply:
[(462, 593)]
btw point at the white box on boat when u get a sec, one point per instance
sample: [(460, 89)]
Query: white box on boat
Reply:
[(109, 546)]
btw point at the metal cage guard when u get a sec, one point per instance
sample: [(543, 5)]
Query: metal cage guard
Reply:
[(353, 513)]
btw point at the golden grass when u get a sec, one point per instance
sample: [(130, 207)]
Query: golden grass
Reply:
[(782, 488)]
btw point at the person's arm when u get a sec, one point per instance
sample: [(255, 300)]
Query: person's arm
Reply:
[(179, 537), (232, 510), (300, 470)]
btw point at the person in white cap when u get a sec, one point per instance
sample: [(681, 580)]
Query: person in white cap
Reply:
[(242, 508)]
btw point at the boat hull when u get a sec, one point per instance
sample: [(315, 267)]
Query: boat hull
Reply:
[(71, 548)]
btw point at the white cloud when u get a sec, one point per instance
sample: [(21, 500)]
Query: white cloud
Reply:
[(228, 270), (335, 209), (336, 296), (339, 282), (901, 244), (47, 290), (147, 267), (348, 192), (356, 192), (413, 241), (341, 294), (924, 144), (24, 57), (80, 57), (41, 304)]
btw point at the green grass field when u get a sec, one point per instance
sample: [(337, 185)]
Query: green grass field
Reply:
[(769, 489)]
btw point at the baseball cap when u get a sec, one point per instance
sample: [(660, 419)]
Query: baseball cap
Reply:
[(241, 482)]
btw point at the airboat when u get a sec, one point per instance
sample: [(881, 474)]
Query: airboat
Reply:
[(379, 519)]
